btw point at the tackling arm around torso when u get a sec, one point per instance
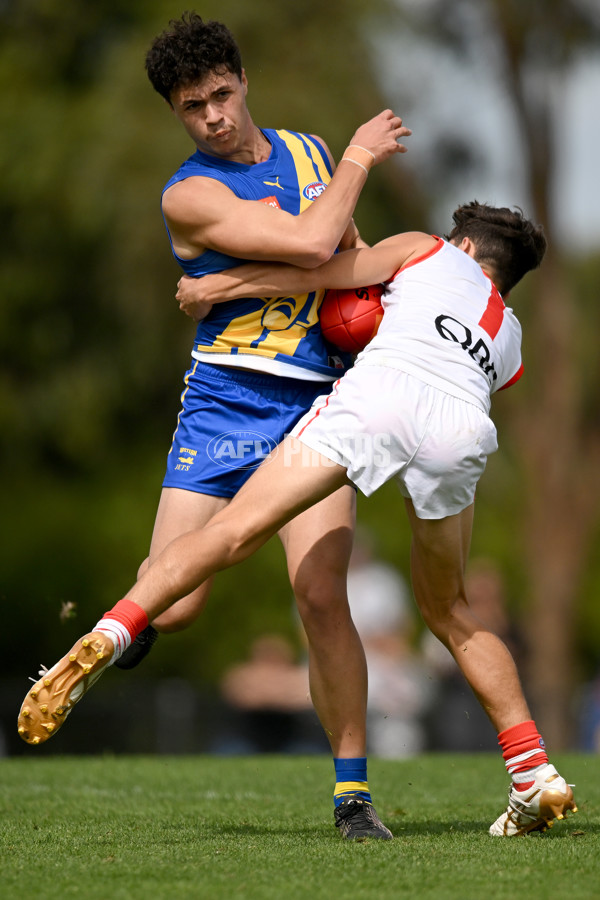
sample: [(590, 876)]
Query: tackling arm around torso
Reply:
[(353, 268)]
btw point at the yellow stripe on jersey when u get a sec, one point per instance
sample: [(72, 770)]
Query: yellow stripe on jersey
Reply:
[(304, 165)]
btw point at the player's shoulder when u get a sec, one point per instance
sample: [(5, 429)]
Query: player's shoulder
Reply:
[(188, 197), (319, 140), (323, 147), (283, 133), (418, 239), (411, 246), (293, 141)]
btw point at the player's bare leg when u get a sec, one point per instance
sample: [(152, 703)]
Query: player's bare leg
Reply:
[(255, 514), (438, 559), (178, 511), (318, 544), (439, 553)]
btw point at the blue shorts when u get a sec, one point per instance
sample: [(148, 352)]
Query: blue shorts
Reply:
[(229, 421)]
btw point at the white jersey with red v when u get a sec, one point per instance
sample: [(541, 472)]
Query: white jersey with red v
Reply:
[(446, 323)]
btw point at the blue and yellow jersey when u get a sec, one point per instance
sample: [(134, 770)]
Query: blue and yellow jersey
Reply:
[(281, 334)]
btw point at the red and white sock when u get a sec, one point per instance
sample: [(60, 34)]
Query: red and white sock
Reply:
[(122, 624), (524, 753)]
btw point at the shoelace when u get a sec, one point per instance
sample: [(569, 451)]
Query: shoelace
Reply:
[(43, 671), (356, 811)]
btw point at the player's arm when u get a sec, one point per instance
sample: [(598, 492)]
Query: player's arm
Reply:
[(350, 238), (204, 214), (352, 268)]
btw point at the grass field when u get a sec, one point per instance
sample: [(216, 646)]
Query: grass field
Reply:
[(261, 828)]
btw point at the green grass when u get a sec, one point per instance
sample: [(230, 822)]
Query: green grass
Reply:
[(261, 828)]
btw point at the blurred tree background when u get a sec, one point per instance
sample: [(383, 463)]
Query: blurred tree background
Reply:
[(93, 347)]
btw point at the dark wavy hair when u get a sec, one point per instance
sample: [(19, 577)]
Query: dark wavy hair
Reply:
[(504, 240), (188, 51)]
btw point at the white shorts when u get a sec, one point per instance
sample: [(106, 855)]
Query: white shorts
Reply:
[(380, 423)]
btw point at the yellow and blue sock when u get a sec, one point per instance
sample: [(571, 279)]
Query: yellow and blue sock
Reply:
[(350, 778)]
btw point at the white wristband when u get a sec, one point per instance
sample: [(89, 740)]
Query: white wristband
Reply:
[(363, 148), (360, 165)]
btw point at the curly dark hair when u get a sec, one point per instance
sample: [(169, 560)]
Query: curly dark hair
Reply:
[(504, 240), (188, 51)]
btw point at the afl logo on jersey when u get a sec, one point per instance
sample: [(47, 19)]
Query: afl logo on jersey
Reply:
[(314, 190)]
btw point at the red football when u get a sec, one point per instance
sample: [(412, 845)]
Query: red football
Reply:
[(350, 317)]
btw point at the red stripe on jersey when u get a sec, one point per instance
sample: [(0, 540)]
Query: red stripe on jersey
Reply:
[(514, 379), (312, 419), (491, 320)]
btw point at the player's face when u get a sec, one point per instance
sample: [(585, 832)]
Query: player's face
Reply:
[(214, 113)]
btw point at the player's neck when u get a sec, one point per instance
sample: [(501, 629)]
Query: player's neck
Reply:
[(254, 148), (491, 274), (261, 149)]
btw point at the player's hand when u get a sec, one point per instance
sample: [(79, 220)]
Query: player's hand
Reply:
[(191, 298), (382, 136)]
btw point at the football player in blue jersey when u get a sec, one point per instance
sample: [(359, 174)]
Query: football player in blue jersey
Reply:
[(257, 364)]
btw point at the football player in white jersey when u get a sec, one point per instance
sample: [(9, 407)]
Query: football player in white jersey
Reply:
[(414, 408)]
